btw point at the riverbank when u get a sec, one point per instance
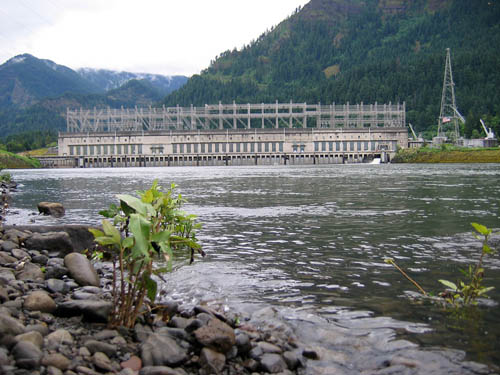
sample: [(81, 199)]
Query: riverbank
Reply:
[(447, 155), (8, 160), (55, 304)]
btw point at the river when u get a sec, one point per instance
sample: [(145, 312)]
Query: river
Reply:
[(315, 237)]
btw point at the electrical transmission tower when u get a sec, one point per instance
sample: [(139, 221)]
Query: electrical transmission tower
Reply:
[(449, 113)]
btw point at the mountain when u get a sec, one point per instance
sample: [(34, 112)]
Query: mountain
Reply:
[(25, 79), (109, 79), (366, 51)]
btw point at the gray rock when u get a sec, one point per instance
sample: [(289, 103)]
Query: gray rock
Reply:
[(55, 272), (4, 357), (273, 363), (51, 209), (81, 269), (40, 301), (292, 360), (8, 246), (40, 259), (212, 362), (179, 322), (51, 370), (243, 343), (102, 361), (14, 235), (59, 242), (269, 348), (6, 275), (95, 346), (27, 355), (30, 271), (93, 311), (20, 254), (158, 370), (161, 350), (57, 286), (6, 258), (40, 328), (10, 326), (216, 335), (4, 295), (85, 296), (59, 337), (34, 337)]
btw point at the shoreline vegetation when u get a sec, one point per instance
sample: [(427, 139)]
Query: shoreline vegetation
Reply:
[(9, 160), (447, 154)]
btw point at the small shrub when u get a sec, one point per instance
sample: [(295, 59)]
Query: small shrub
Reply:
[(151, 228)]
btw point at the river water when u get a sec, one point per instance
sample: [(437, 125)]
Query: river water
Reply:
[(314, 238)]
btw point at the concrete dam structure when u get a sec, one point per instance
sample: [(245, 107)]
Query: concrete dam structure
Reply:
[(231, 134)]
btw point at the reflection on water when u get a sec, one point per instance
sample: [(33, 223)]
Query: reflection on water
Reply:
[(314, 236)]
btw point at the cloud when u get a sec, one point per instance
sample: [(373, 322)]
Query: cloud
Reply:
[(168, 37)]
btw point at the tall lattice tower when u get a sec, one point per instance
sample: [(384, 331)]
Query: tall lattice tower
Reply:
[(449, 113)]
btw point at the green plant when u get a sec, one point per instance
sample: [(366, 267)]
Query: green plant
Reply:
[(5, 177), (150, 227), (466, 292)]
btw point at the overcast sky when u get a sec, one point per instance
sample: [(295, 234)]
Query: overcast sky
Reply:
[(151, 36)]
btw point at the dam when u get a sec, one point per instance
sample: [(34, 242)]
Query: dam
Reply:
[(231, 134)]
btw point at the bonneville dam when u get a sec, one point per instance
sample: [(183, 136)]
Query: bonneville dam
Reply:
[(231, 134)]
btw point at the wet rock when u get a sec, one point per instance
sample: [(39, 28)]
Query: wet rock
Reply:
[(211, 361), (81, 269), (55, 272), (161, 350), (40, 301), (59, 242), (273, 363), (92, 311), (30, 271), (10, 326), (14, 235), (95, 346), (27, 355), (216, 335), (51, 209), (40, 259), (56, 360), (34, 337)]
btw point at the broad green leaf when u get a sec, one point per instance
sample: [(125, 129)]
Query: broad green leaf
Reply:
[(481, 229), (487, 249), (111, 231), (105, 241), (96, 232), (161, 236), (135, 203), (128, 242), (448, 284), (140, 228)]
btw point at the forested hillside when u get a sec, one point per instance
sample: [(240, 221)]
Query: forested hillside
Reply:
[(366, 51)]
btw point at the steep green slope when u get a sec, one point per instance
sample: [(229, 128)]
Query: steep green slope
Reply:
[(365, 51)]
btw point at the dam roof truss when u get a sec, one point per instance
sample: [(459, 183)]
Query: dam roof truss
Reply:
[(236, 116)]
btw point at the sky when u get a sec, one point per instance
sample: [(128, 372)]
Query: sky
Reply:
[(171, 37)]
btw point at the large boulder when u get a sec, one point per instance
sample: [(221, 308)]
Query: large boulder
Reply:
[(59, 242), (81, 269), (51, 209)]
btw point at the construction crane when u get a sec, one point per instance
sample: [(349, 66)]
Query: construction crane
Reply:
[(488, 131), (413, 132)]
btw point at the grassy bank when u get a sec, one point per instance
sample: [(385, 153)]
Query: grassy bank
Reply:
[(448, 154), (9, 160)]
